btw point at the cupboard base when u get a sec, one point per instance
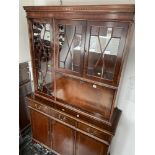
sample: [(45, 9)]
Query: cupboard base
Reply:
[(66, 134)]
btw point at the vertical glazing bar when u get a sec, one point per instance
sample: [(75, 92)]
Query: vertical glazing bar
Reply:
[(88, 37), (82, 55), (84, 51), (54, 55)]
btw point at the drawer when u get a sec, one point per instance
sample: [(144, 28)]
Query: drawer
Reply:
[(95, 132), (68, 111), (62, 117), (40, 107)]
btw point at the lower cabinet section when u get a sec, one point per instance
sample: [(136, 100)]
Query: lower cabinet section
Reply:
[(64, 139), (89, 146)]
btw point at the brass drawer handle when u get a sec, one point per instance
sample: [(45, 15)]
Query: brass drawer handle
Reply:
[(37, 106), (92, 132), (61, 117)]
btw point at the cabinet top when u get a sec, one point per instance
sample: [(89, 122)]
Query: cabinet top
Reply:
[(130, 8)]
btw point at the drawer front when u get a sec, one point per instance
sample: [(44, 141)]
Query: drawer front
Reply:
[(40, 107), (68, 111), (84, 118), (95, 132), (62, 117)]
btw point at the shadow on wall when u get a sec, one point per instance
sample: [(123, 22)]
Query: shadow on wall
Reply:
[(123, 142)]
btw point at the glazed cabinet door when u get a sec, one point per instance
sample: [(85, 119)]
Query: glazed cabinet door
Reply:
[(41, 41), (63, 138), (70, 39), (105, 44), (40, 127), (88, 146)]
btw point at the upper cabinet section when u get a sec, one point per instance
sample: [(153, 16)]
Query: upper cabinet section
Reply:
[(88, 42)]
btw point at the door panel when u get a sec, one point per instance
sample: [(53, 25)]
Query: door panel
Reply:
[(63, 139), (42, 54), (70, 38), (40, 127), (88, 146), (104, 49)]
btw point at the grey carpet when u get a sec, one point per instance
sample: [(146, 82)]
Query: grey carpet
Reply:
[(29, 148)]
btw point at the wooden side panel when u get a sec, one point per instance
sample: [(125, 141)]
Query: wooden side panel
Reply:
[(63, 139), (88, 146), (40, 127)]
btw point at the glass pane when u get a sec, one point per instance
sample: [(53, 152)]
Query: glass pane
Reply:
[(70, 37), (103, 49), (82, 94), (43, 54), (112, 47)]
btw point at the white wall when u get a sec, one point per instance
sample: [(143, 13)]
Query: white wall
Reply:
[(124, 141), (23, 32), (46, 2), (80, 2)]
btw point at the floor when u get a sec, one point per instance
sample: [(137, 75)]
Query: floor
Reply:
[(28, 148)]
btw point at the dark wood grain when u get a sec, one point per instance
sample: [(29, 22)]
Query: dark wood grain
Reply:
[(86, 145), (63, 139), (83, 8), (75, 93)]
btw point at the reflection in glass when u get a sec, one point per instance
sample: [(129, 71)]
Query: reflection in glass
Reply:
[(70, 37), (42, 49), (112, 47), (103, 49)]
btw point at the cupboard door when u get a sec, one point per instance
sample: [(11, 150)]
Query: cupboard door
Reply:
[(70, 38), (40, 127), (89, 146), (41, 39), (104, 50), (63, 139)]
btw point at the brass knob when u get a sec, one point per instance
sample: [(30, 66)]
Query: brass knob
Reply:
[(92, 132), (62, 117), (88, 129), (37, 106)]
